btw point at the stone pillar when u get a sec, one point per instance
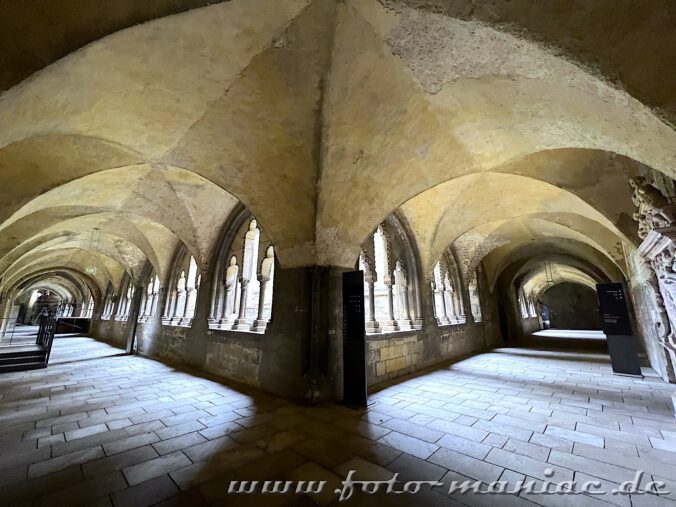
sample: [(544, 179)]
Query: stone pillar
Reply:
[(178, 306), (260, 322), (249, 263), (144, 304), (154, 301), (132, 320), (450, 308), (241, 323), (390, 325), (402, 292), (225, 306), (440, 305), (267, 267), (372, 325), (189, 311), (216, 312), (230, 285)]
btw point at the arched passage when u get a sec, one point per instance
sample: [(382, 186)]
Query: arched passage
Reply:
[(572, 306)]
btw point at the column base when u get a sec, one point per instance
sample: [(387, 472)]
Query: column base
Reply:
[(241, 325), (372, 327), (405, 325), (390, 326), (224, 324), (259, 326)]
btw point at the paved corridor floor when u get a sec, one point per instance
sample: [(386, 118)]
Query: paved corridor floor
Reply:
[(122, 430)]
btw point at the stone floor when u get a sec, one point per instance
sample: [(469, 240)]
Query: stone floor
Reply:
[(571, 333), (122, 430)]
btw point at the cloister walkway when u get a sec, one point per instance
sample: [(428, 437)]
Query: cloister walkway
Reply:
[(126, 430)]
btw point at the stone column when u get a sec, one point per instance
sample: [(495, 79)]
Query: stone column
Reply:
[(216, 311), (267, 266), (241, 323), (144, 304), (249, 263), (260, 322), (372, 325), (230, 284), (390, 325), (132, 320), (402, 292), (450, 308), (225, 308), (440, 305), (179, 304), (154, 301), (191, 295), (448, 298)]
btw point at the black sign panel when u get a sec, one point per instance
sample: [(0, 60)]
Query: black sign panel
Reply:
[(622, 345), (623, 352), (354, 340), (613, 309)]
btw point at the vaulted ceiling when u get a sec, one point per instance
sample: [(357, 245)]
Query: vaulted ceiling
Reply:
[(490, 126)]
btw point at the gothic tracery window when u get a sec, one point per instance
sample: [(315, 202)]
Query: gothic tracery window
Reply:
[(179, 308), (531, 309), (390, 280), (126, 295), (109, 303), (89, 310), (448, 305), (474, 297), (149, 301), (242, 298), (523, 307)]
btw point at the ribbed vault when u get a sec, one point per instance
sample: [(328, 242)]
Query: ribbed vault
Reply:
[(322, 118)]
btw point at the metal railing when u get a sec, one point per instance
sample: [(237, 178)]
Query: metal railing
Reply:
[(45, 337), (8, 331)]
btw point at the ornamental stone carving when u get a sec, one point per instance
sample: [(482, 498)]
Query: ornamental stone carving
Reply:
[(652, 208), (657, 228)]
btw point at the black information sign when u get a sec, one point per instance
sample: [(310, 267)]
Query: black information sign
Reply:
[(613, 309), (354, 340), (622, 344)]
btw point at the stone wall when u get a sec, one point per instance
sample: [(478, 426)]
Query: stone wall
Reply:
[(111, 331), (529, 325), (395, 354), (169, 343), (236, 357), (392, 355), (291, 360)]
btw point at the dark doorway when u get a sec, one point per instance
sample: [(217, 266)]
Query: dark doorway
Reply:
[(572, 306)]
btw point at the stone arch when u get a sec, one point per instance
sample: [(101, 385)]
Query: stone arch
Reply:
[(447, 291), (390, 262), (181, 289), (243, 284)]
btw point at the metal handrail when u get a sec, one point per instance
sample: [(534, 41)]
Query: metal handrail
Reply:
[(45, 337), (9, 330)]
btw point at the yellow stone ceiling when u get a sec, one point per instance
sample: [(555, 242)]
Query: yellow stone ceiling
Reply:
[(322, 117)]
